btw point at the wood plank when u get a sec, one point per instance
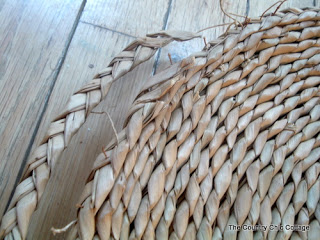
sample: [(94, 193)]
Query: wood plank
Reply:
[(33, 38), (257, 7), (135, 18), (194, 16)]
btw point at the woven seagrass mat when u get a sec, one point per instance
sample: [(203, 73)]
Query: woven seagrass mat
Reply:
[(228, 137)]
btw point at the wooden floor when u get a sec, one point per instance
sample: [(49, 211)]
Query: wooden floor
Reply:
[(49, 49)]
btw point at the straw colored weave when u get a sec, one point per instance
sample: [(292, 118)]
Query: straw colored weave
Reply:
[(228, 136), (29, 191)]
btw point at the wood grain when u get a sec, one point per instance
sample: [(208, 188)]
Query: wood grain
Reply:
[(135, 18), (33, 38)]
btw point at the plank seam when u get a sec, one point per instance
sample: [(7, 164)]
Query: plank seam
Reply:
[(46, 101), (165, 25)]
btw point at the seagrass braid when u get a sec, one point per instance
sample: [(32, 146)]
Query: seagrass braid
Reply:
[(254, 212), (180, 219), (299, 196), (190, 182), (286, 218), (261, 180), (29, 191), (205, 231), (147, 173), (121, 206), (313, 113), (306, 192), (127, 170), (194, 188)]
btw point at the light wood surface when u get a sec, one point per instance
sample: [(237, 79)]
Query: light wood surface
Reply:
[(34, 37), (50, 49)]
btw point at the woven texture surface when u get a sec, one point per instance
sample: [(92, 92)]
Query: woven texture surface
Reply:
[(42, 161), (228, 136)]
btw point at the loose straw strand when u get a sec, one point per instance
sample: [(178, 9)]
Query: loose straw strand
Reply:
[(278, 7), (64, 229), (112, 124), (235, 21), (214, 26), (281, 2), (227, 14), (238, 15)]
